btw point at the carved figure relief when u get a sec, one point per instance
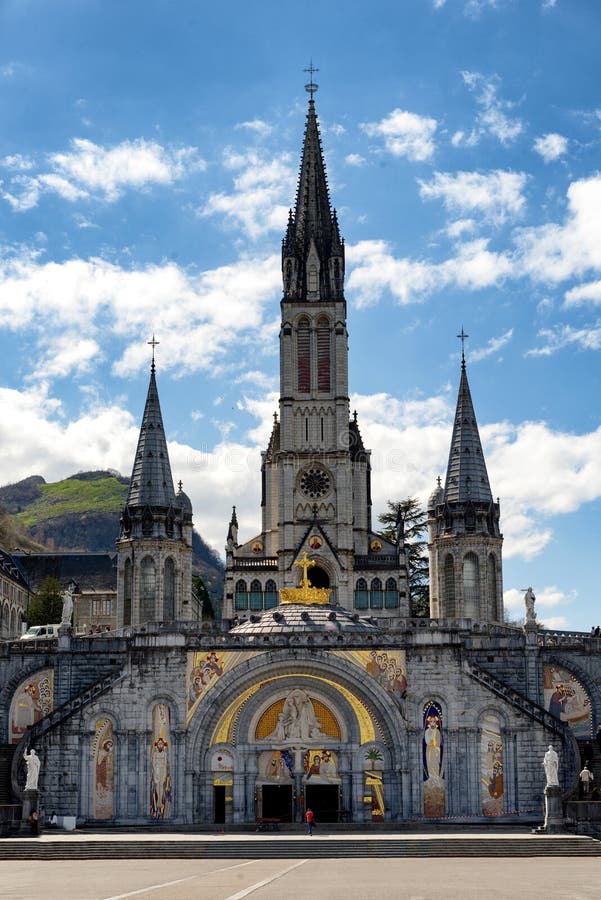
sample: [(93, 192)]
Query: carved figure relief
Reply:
[(297, 721)]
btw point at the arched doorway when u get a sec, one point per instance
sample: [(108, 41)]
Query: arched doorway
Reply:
[(318, 577)]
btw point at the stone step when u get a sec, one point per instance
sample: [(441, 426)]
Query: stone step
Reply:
[(285, 848)]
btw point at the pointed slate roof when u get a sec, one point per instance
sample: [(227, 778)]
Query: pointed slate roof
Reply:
[(467, 478), (151, 480), (312, 215)]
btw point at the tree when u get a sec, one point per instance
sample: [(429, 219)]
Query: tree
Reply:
[(46, 605), (199, 588), (405, 519)]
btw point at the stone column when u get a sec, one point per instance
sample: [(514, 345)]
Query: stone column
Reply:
[(554, 822), (30, 802)]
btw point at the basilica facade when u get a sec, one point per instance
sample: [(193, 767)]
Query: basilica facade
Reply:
[(318, 689)]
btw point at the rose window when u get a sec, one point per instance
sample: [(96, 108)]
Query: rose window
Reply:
[(315, 483)]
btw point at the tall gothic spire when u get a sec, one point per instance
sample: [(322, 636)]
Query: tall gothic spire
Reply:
[(467, 478), (312, 250), (151, 480)]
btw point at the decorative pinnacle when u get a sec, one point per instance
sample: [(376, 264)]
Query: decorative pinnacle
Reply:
[(311, 88), (153, 344), (462, 337), (180, 485)]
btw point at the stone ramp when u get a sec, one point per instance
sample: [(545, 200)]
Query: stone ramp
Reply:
[(78, 847)]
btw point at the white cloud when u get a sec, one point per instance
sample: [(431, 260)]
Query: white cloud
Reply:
[(459, 227), (562, 336), (263, 129), (492, 348), (91, 169), (493, 117), (67, 354), (354, 159), (584, 293), (497, 194), (374, 270), (336, 129), (219, 305), (405, 134), (262, 189), (550, 146), (17, 162)]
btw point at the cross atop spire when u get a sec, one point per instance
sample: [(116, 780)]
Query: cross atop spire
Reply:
[(153, 344), (311, 88), (462, 337)]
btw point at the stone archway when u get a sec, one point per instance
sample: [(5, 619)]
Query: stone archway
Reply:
[(318, 577)]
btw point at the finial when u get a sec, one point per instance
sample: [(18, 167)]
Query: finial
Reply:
[(180, 485), (462, 337), (311, 88), (438, 481), (275, 418), (153, 344), (355, 416)]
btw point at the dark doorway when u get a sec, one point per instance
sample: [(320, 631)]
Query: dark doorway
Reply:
[(219, 804), (324, 800), (277, 802), (318, 577)]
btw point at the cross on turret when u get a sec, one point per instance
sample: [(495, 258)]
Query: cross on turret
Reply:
[(305, 563)]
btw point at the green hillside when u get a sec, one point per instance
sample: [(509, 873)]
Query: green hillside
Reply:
[(74, 496)]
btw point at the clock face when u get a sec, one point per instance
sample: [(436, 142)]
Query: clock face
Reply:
[(315, 483)]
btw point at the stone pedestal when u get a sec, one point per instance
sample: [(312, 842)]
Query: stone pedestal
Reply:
[(554, 821), (30, 802)]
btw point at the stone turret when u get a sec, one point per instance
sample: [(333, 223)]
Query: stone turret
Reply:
[(155, 541), (463, 521)]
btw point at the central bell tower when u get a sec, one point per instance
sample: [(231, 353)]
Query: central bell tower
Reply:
[(316, 473)]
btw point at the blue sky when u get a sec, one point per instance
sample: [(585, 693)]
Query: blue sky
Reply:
[(148, 157)]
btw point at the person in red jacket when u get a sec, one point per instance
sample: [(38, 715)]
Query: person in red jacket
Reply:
[(309, 818)]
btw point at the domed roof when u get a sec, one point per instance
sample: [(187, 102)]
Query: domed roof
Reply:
[(183, 501), (297, 617), (437, 496)]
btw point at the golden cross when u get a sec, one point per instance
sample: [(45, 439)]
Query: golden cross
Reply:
[(305, 563)]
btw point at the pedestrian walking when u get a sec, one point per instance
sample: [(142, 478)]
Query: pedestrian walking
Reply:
[(586, 778), (309, 819)]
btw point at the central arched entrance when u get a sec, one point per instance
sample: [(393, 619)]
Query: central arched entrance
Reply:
[(318, 577)]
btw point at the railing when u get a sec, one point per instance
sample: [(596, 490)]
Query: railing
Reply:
[(390, 561), (515, 698), (548, 638), (267, 562)]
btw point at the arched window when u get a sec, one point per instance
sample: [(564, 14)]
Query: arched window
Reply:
[(361, 595), (323, 355), (103, 770), (450, 604), (127, 593), (391, 594), (13, 623), (169, 591), (303, 355), (147, 590), (241, 595), (376, 594), (271, 594), (492, 598), (256, 595), (471, 586)]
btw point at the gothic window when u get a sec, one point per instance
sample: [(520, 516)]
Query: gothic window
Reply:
[(491, 589), (303, 356), (471, 586), (376, 594), (271, 594), (323, 355), (391, 595), (147, 522), (13, 623), (241, 595), (147, 590), (169, 591), (256, 595), (361, 595), (127, 593), (449, 608)]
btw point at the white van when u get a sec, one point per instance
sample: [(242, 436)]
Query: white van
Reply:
[(40, 632)]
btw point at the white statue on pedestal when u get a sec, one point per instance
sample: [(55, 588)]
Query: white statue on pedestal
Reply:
[(551, 764), (33, 770), (529, 599), (67, 611)]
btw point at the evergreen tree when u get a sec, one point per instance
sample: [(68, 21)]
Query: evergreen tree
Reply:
[(46, 605), (406, 519), (199, 588)]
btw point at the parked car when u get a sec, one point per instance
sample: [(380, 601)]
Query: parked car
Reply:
[(40, 632)]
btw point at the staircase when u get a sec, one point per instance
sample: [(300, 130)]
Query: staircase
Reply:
[(317, 847)]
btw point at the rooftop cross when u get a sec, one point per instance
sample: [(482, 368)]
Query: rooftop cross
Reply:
[(305, 563), (311, 87), (462, 337), (153, 344)]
